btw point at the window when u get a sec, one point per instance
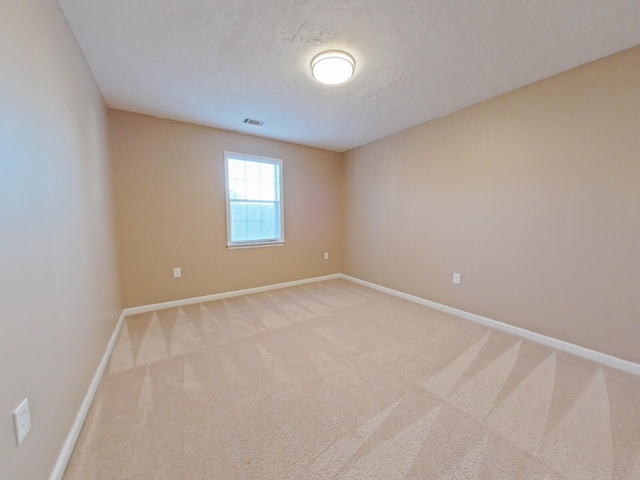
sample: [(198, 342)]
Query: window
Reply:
[(254, 200)]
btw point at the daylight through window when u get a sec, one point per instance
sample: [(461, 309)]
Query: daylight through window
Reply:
[(254, 200)]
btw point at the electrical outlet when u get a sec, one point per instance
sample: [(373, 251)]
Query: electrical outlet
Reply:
[(177, 272), (326, 255), (456, 278), (22, 420)]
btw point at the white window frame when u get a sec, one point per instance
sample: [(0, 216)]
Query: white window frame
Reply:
[(253, 158)]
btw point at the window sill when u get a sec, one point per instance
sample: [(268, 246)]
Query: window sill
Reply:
[(255, 245)]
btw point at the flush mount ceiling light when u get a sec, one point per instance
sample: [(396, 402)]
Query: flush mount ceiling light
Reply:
[(332, 67)]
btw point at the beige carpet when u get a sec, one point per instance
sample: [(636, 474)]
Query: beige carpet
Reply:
[(335, 380)]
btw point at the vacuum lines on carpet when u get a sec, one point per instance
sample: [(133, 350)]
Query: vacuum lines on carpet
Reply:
[(334, 380)]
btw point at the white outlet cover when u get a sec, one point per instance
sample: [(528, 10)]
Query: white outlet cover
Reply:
[(22, 420), (456, 278), (326, 255), (177, 272)]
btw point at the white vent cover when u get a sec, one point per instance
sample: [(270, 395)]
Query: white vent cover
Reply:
[(253, 121)]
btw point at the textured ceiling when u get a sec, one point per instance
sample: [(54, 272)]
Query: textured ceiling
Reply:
[(214, 62)]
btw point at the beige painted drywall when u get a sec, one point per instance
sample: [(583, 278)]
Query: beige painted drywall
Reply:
[(170, 210), (58, 280), (534, 197)]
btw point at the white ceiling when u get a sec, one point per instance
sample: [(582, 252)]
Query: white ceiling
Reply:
[(214, 62)]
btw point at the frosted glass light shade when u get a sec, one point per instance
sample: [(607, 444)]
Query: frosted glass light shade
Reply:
[(333, 67)]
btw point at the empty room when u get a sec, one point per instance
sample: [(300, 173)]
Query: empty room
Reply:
[(319, 239)]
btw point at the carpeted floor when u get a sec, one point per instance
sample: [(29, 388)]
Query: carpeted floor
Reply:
[(333, 380)]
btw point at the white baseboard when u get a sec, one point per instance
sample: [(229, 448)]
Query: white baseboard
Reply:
[(599, 357), (220, 296), (70, 442)]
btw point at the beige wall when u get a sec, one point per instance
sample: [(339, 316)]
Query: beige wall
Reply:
[(534, 197), (58, 280), (170, 204)]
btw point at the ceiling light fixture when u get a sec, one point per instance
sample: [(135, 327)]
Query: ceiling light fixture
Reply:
[(333, 67)]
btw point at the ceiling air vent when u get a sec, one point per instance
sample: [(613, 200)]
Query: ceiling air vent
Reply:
[(253, 121)]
